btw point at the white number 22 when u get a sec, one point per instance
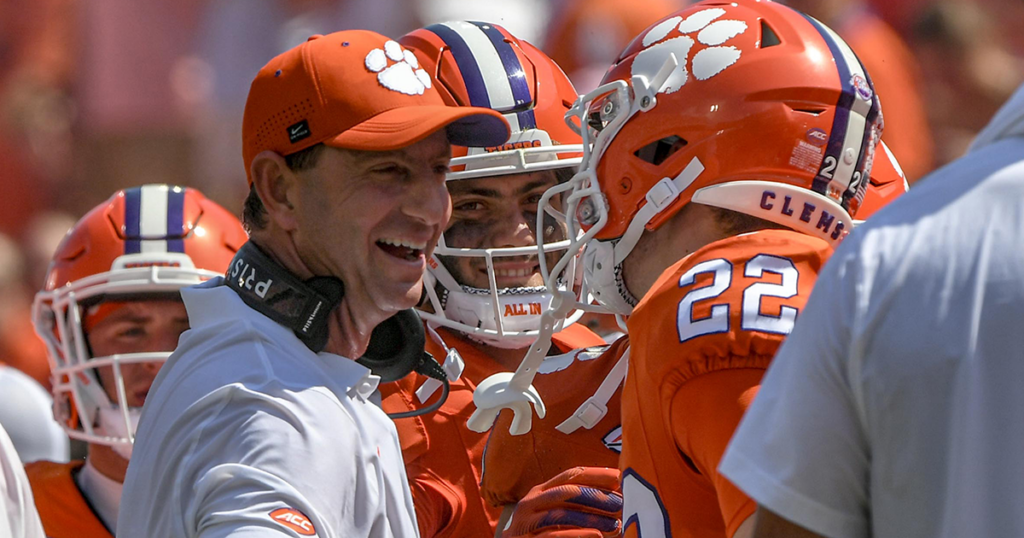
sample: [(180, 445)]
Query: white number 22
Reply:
[(753, 319), (642, 507)]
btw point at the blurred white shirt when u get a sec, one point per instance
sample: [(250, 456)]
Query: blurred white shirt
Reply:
[(18, 516), (26, 412), (246, 432)]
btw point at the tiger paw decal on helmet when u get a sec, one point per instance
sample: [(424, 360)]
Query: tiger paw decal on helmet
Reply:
[(707, 62), (404, 75)]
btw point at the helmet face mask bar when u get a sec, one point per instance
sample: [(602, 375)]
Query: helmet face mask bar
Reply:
[(770, 128), (58, 314), (500, 317), (761, 110), (602, 114), (515, 161), (482, 64), (142, 244)]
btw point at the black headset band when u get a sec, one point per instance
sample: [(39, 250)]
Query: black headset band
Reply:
[(396, 345), (268, 288)]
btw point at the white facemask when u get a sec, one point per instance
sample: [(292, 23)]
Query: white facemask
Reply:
[(111, 423), (519, 308)]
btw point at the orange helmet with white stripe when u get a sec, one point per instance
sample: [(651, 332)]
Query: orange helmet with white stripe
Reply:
[(143, 242), (482, 64), (748, 106)]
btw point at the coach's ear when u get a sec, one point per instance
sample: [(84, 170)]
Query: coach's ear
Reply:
[(275, 184)]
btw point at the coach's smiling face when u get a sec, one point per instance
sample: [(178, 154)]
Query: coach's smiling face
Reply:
[(368, 218), (372, 218)]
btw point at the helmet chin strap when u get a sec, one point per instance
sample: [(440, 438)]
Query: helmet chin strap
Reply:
[(507, 319), (603, 259)]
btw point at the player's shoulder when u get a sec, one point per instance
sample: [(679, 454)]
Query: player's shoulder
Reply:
[(582, 361), (51, 481), (568, 383), (740, 257), (442, 431), (730, 303), (576, 336)]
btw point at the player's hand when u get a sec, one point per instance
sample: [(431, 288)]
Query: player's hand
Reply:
[(583, 502)]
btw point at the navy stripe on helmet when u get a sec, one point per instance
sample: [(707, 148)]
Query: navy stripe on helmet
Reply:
[(867, 107), (132, 225), (837, 136), (862, 164), (471, 74), (175, 219), (515, 72)]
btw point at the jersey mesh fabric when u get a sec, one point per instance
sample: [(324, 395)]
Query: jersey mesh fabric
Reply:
[(694, 368)]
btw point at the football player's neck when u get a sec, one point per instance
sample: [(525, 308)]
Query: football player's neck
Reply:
[(108, 462), (694, 227)]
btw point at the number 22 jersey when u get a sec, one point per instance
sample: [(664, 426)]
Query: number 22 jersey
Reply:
[(701, 339)]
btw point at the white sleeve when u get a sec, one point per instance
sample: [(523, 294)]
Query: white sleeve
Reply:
[(239, 500), (26, 412), (269, 466), (800, 450), (18, 516)]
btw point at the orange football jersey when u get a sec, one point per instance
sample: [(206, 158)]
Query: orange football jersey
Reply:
[(443, 457), (515, 463), (62, 508), (701, 339)]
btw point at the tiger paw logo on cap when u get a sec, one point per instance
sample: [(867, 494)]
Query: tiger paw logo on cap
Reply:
[(294, 520), (706, 63), (403, 76)]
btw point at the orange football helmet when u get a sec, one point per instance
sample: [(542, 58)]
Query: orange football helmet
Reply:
[(482, 64), (746, 105), (154, 239), (888, 182)]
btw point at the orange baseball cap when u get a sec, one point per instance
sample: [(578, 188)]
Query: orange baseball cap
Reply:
[(355, 90)]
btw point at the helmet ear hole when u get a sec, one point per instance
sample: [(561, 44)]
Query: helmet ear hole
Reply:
[(658, 151)]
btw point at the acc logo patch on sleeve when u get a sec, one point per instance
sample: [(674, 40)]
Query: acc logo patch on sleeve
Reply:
[(294, 520)]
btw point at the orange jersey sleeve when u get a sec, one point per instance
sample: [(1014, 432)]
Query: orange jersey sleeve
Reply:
[(701, 339), (62, 508), (443, 457), (515, 463)]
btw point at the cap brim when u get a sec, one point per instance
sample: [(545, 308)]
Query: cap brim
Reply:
[(401, 127)]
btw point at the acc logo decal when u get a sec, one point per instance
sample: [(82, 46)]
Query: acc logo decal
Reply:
[(294, 520), (614, 440), (398, 77), (706, 63), (817, 136)]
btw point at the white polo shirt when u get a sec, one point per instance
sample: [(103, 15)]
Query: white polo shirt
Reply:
[(246, 432), (18, 515), (896, 406), (26, 412)]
